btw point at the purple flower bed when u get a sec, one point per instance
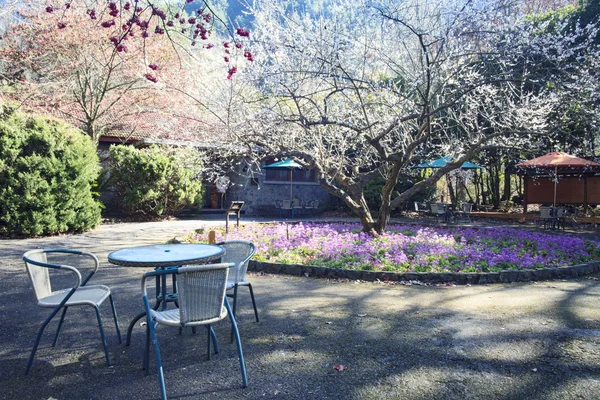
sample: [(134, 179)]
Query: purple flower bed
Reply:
[(412, 248)]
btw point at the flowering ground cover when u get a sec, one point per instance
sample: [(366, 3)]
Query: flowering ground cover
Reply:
[(411, 248)]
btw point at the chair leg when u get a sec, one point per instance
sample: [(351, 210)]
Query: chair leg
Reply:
[(214, 339), (253, 301), (102, 335), (39, 336), (161, 375), (151, 334), (235, 293), (114, 312), (238, 342), (208, 339), (62, 318), (146, 360)]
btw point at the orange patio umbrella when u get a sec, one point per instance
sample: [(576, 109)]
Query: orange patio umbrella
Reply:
[(558, 159)]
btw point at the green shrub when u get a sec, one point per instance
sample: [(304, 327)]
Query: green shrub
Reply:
[(47, 170), (155, 181)]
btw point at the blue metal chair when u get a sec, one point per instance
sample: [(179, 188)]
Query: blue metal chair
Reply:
[(239, 252), (202, 301), (38, 268)]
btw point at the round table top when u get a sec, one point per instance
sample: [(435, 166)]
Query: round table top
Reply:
[(166, 255)]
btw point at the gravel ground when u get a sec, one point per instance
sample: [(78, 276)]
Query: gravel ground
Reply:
[(508, 341)]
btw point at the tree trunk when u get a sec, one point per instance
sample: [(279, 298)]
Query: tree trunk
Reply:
[(507, 189), (451, 193), (386, 198), (355, 200)]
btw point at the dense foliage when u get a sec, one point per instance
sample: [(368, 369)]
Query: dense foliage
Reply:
[(413, 248), (155, 181), (47, 170)]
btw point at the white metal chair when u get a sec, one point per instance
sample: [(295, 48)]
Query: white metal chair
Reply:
[(465, 213), (239, 252), (560, 217), (546, 218), (421, 210), (438, 211), (38, 268), (202, 301), (287, 205)]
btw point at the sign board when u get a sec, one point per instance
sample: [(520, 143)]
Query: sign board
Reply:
[(235, 207)]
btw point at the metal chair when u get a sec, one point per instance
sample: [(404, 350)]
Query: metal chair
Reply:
[(421, 210), (560, 217), (312, 205), (38, 268), (465, 213), (202, 301), (438, 210), (287, 205), (279, 206), (239, 252), (545, 217)]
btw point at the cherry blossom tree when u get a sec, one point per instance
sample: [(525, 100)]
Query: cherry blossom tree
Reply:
[(104, 69), (357, 89)]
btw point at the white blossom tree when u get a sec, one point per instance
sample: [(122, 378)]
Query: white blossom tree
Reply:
[(358, 89)]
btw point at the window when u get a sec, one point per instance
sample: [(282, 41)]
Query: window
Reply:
[(283, 175)]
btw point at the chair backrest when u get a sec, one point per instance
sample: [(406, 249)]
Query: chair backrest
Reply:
[(296, 202), (38, 267), (560, 212), (238, 252), (315, 204), (286, 204), (467, 207), (545, 212), (38, 275), (201, 291), (434, 208), (417, 207), (278, 203)]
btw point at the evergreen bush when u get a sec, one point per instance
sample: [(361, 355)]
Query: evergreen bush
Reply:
[(47, 172), (155, 181)]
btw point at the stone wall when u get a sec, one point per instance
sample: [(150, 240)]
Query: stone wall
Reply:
[(459, 278), (260, 195)]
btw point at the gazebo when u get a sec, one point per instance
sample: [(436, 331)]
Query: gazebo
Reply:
[(560, 178)]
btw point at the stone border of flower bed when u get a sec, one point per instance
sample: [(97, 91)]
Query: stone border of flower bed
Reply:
[(460, 278)]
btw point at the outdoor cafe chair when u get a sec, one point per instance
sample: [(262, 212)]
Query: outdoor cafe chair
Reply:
[(239, 252), (546, 218), (420, 209), (312, 205), (560, 217), (287, 205), (279, 206), (439, 212), (38, 269), (464, 213), (202, 301)]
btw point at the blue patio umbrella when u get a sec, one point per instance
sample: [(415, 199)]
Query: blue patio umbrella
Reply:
[(288, 163), (442, 161)]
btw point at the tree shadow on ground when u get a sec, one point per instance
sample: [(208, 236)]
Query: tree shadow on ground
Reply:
[(393, 341)]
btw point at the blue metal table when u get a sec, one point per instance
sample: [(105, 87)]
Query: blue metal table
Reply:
[(164, 256)]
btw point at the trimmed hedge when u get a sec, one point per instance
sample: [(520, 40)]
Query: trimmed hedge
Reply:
[(155, 181), (47, 171)]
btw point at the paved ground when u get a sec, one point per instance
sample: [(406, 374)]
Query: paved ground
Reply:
[(510, 341)]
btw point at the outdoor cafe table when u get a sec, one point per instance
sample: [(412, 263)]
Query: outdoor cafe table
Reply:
[(164, 256)]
